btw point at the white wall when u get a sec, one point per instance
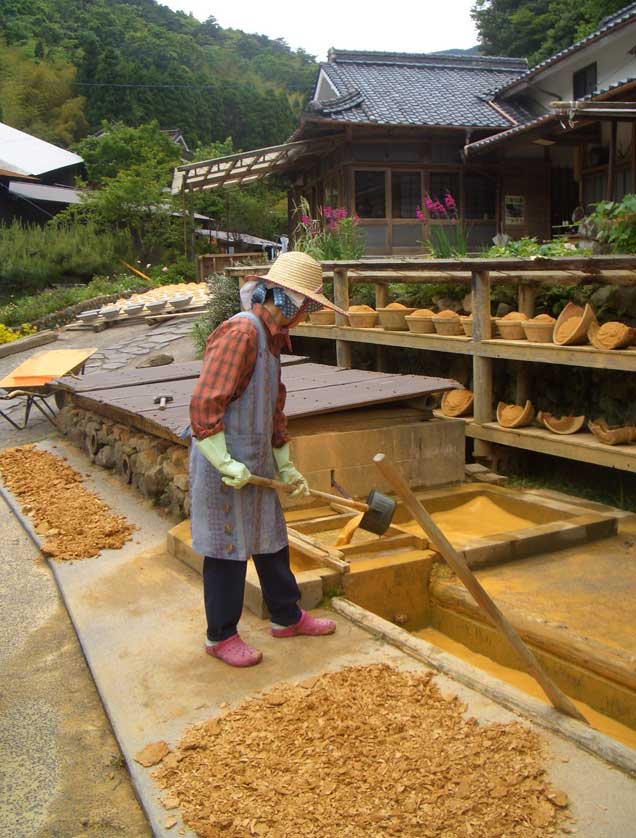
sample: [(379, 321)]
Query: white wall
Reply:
[(613, 60)]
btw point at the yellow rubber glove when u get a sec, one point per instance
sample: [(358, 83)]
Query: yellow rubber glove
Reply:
[(289, 473), (214, 449)]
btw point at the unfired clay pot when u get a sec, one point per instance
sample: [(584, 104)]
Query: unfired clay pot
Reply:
[(564, 425), (514, 415), (457, 403)]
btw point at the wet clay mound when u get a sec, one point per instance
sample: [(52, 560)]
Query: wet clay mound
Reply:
[(75, 523), (368, 751)]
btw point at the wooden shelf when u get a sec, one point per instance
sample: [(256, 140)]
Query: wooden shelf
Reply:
[(583, 447), (460, 345), (550, 353)]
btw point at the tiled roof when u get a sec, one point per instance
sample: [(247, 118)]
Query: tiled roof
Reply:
[(527, 125), (415, 89), (608, 23)]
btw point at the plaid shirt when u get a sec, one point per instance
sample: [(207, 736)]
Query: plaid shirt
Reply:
[(230, 358)]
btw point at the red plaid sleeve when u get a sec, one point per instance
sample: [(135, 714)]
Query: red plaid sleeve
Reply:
[(230, 357)]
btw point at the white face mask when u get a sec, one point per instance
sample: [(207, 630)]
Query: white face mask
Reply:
[(297, 299)]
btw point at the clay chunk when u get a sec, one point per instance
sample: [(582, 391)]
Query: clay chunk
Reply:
[(152, 754), (613, 335), (361, 309), (515, 415)]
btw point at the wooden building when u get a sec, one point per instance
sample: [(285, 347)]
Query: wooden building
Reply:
[(387, 133)]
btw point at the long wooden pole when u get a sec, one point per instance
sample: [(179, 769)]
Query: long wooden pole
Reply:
[(460, 568)]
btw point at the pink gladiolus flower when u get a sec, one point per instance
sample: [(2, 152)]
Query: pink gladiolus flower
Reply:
[(451, 206), (439, 208), (305, 220), (419, 214), (327, 212), (428, 203)]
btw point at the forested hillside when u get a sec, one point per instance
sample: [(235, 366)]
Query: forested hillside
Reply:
[(66, 65), (536, 29)]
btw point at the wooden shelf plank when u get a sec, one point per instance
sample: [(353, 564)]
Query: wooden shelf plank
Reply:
[(550, 353), (379, 337), (583, 447)]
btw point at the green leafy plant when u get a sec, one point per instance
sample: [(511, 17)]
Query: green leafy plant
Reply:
[(616, 224), (527, 247), (334, 235)]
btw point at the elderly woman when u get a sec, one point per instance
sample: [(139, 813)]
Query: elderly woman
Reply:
[(239, 429)]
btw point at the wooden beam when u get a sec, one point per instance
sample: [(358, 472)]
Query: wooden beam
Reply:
[(611, 169), (482, 367)]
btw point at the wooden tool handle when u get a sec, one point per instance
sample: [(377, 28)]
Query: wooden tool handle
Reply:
[(459, 566), (286, 487)]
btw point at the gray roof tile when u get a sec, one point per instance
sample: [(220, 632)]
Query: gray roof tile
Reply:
[(403, 89)]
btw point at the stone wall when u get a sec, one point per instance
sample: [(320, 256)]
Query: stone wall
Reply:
[(156, 467)]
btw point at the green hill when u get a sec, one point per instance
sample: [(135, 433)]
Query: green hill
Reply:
[(135, 60)]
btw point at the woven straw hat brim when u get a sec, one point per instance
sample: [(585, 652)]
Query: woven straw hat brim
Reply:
[(299, 272)]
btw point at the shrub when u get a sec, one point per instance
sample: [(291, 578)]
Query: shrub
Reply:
[(7, 335), (616, 224), (223, 303), (33, 257)]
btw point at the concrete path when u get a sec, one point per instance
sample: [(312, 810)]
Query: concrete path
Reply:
[(139, 616), (61, 770)]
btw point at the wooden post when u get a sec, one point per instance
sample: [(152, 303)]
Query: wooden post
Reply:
[(611, 169), (527, 295), (341, 299), (381, 300), (482, 367)]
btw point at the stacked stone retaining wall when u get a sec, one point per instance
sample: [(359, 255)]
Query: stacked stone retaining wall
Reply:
[(156, 467)]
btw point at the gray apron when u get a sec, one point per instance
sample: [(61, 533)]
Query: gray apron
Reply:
[(232, 523)]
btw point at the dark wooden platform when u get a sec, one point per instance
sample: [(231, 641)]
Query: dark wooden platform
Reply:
[(312, 389)]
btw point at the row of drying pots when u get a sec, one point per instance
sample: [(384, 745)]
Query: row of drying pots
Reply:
[(459, 403), (134, 309)]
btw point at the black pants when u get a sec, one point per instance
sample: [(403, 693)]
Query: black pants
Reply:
[(224, 585)]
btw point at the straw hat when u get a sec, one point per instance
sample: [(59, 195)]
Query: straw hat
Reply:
[(300, 272)]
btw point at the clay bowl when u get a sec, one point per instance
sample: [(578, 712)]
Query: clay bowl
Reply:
[(181, 301), (457, 402), (448, 324), (573, 324), (612, 335), (421, 321), (539, 329), (394, 319), (110, 312), (324, 317), (467, 326), (513, 415), (362, 319), (88, 316), (564, 425), (133, 309), (510, 326), (155, 306)]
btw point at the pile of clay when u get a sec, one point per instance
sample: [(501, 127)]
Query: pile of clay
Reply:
[(361, 309), (368, 750), (74, 522), (423, 312)]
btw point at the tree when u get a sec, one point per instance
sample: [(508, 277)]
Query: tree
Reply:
[(121, 148), (537, 29)]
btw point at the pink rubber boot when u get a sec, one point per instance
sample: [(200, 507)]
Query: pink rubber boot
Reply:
[(311, 626), (234, 652)]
